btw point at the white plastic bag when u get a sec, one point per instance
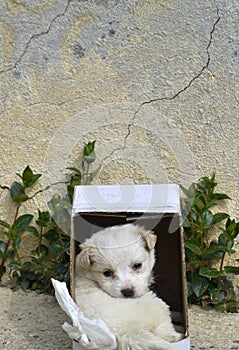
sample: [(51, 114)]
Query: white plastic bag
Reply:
[(90, 334)]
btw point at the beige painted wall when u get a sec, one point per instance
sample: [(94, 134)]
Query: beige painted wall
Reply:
[(154, 82)]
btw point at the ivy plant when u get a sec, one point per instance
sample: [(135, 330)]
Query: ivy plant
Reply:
[(9, 249), (61, 207), (209, 238), (83, 175), (49, 231)]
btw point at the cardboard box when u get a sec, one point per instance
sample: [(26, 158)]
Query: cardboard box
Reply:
[(156, 207)]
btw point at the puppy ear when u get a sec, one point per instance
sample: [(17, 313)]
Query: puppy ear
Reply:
[(84, 257), (149, 239)]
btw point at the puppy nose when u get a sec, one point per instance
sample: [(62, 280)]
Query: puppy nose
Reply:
[(127, 292)]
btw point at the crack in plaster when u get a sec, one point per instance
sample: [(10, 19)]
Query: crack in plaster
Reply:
[(47, 188), (143, 103), (2, 187), (18, 61), (175, 95)]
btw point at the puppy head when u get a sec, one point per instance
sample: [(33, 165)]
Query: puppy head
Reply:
[(120, 259)]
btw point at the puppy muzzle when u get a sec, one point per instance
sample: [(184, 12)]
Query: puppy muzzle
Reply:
[(127, 292)]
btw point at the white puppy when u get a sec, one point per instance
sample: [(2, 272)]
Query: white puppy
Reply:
[(113, 274)]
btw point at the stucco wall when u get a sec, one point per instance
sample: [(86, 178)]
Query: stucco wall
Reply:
[(154, 82)]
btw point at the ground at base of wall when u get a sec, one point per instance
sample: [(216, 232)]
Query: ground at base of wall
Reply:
[(29, 321)]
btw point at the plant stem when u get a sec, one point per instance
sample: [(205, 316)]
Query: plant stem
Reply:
[(60, 236), (202, 244), (4, 259), (8, 245), (16, 253), (13, 243), (61, 243), (191, 219), (16, 214), (221, 270), (206, 237), (39, 242), (86, 177)]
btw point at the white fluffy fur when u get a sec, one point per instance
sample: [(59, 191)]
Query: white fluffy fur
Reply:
[(140, 321)]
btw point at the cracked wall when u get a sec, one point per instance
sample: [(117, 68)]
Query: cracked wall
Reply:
[(154, 82)]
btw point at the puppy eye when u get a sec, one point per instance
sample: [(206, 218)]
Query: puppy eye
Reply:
[(108, 273), (137, 266)]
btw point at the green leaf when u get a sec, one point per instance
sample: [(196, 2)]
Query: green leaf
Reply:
[(220, 196), (89, 148), (60, 268), (43, 249), (11, 234), (55, 200), (209, 184), (210, 205), (14, 265), (33, 231), (27, 265), (212, 250), (19, 175), (199, 204), (230, 225), (4, 224), (232, 269), (185, 191), (222, 239), (88, 152), (29, 178), (200, 285), (189, 289), (192, 190), (27, 174), (30, 276), (9, 254), (35, 285), (219, 217), (17, 193), (207, 219), (196, 262), (193, 247), (91, 158), (56, 249), (22, 222), (75, 181), (77, 171), (3, 246), (217, 296), (232, 229), (18, 242), (44, 218), (25, 285), (33, 180), (209, 272), (186, 223), (230, 245), (51, 235)]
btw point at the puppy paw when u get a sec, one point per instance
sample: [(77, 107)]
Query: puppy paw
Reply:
[(166, 331), (175, 337), (144, 341)]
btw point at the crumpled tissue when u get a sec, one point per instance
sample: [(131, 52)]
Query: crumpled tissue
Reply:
[(90, 334)]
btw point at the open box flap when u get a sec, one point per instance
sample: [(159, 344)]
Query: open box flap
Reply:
[(157, 198)]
